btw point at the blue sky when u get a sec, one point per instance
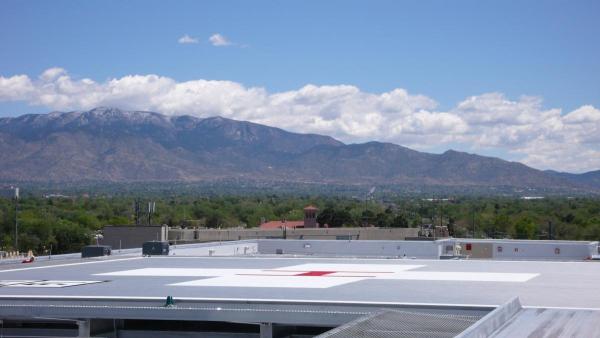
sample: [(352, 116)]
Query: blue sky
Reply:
[(446, 51)]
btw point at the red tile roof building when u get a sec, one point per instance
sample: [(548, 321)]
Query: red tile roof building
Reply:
[(282, 224), (310, 221)]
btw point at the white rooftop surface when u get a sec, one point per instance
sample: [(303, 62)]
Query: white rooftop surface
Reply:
[(451, 282)]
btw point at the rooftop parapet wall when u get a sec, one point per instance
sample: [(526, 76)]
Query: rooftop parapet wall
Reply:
[(354, 233), (525, 249), (208, 235), (360, 248), (126, 237), (510, 250)]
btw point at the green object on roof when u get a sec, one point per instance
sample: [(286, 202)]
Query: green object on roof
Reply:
[(170, 301)]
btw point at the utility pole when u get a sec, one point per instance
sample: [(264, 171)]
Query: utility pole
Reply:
[(17, 218), (136, 211), (441, 212), (473, 221), (433, 211), (151, 210), (367, 196)]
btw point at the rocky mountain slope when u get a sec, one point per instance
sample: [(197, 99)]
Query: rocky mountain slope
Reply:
[(107, 144)]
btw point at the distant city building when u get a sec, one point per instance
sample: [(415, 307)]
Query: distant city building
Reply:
[(49, 196), (9, 192), (310, 221)]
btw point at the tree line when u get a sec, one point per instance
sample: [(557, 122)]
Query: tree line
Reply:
[(65, 224)]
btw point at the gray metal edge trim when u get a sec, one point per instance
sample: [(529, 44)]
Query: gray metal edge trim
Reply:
[(491, 322)]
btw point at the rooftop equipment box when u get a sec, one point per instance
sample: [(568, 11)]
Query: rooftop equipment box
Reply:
[(95, 251), (155, 248)]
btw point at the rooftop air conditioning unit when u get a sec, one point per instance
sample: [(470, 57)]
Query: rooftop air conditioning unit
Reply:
[(155, 248), (95, 251)]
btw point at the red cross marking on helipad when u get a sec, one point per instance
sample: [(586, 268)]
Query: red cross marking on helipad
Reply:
[(315, 273)]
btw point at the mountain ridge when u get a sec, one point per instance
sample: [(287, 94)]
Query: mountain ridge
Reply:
[(113, 145)]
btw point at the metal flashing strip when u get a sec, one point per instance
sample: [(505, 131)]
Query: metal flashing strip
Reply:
[(493, 320), (255, 300), (247, 311)]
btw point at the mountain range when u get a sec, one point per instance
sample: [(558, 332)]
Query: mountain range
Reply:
[(112, 145)]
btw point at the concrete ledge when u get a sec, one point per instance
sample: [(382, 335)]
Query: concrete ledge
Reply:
[(491, 322)]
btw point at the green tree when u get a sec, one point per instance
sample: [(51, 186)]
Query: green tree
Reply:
[(326, 216), (525, 228), (399, 221), (335, 218), (383, 219), (367, 217), (70, 237)]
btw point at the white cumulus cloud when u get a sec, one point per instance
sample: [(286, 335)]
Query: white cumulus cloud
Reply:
[(219, 40), (186, 39), (14, 88), (489, 123)]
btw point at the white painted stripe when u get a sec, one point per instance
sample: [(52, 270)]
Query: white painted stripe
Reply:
[(189, 272), (370, 268), (269, 282), (70, 264), (463, 276)]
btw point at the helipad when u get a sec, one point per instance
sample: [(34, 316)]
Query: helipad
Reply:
[(286, 290), (551, 284)]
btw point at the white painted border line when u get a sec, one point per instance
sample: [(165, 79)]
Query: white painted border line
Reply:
[(70, 264)]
